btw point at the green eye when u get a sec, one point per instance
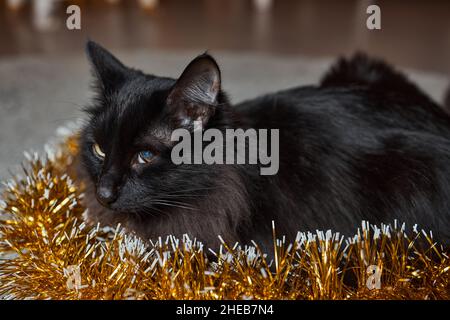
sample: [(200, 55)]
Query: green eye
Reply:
[(145, 156), (98, 151)]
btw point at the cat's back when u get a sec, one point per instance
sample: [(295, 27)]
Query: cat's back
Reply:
[(354, 154), (344, 108)]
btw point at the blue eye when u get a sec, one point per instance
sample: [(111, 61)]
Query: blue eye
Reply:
[(145, 156)]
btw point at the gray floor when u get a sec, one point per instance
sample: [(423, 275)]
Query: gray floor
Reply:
[(40, 94)]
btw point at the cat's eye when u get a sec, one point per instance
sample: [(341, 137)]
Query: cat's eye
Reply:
[(145, 156), (98, 151)]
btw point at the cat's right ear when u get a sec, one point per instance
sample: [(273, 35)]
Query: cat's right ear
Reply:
[(108, 70)]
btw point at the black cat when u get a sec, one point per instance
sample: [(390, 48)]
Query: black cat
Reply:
[(366, 144)]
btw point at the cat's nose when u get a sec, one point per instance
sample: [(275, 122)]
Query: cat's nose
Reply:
[(106, 196), (106, 193)]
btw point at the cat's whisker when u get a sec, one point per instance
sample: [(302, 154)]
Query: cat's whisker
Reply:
[(184, 195), (174, 202), (185, 191), (148, 210), (169, 204)]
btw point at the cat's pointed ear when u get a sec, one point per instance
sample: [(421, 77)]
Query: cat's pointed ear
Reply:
[(195, 94), (108, 70)]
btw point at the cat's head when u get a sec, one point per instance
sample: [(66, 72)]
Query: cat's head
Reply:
[(126, 145)]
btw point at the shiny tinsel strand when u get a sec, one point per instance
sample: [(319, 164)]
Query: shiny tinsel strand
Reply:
[(48, 252)]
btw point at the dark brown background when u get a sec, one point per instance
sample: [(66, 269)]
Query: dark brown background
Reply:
[(414, 33)]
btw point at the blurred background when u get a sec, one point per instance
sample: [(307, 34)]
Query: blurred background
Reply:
[(261, 45)]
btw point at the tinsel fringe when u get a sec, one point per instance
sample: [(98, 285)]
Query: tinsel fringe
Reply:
[(48, 252)]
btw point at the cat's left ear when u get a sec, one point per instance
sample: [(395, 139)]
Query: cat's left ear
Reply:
[(194, 96), (108, 70)]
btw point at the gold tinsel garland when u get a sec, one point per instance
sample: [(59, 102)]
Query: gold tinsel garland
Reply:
[(48, 252)]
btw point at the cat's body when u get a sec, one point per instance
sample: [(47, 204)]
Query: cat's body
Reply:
[(366, 165), (364, 145)]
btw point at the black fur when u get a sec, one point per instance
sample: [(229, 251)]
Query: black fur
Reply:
[(366, 144), (447, 100)]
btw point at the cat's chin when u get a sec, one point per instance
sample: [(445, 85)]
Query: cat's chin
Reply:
[(113, 208)]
